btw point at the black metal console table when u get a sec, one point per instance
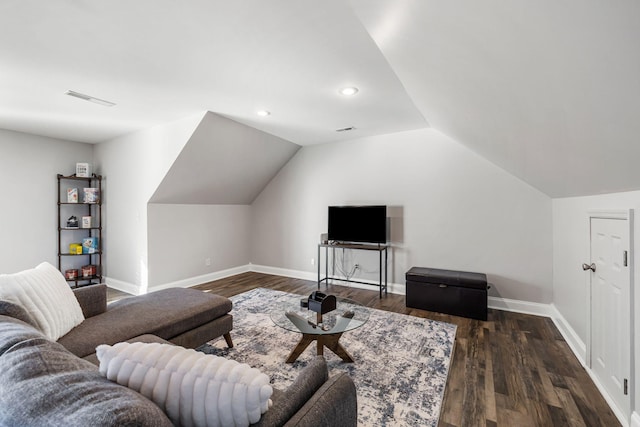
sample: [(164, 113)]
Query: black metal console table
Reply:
[(381, 249)]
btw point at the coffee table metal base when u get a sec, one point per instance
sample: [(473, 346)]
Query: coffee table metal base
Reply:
[(330, 341)]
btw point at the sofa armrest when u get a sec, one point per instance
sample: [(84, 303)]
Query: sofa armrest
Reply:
[(335, 403), (288, 402), (92, 299)]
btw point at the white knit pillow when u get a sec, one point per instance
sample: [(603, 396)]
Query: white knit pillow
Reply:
[(193, 388), (44, 293)]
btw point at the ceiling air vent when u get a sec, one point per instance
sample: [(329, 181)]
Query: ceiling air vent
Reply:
[(89, 98)]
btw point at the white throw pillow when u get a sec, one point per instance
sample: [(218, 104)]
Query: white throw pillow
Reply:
[(44, 293), (193, 388)]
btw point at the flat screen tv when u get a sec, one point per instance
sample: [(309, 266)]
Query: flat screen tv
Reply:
[(361, 224)]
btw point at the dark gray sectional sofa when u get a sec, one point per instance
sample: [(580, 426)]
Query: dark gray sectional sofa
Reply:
[(46, 383), (182, 316)]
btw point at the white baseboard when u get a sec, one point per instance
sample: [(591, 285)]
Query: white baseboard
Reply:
[(204, 278), (616, 410), (546, 310), (122, 286), (277, 271), (134, 289), (576, 344), (394, 288), (518, 306)]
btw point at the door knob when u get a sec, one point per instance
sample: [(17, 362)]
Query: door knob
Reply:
[(591, 267)]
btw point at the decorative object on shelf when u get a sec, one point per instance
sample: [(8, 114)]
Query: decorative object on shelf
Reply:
[(83, 170), (86, 222), (89, 245), (89, 270), (71, 273), (91, 195), (72, 222), (75, 248), (72, 195)]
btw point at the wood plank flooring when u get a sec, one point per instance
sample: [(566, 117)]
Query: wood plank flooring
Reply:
[(512, 370)]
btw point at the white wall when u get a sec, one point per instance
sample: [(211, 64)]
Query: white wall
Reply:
[(571, 249), (453, 210), (28, 185), (133, 166), (184, 236)]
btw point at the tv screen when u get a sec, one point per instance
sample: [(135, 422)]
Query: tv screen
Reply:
[(363, 224)]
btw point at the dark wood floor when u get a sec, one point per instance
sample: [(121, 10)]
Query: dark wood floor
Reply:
[(512, 370)]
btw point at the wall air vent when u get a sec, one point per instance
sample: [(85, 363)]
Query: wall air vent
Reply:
[(89, 98), (346, 129)]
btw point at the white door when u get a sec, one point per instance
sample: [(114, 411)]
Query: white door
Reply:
[(610, 308)]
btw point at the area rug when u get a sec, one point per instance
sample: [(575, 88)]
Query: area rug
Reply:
[(401, 362)]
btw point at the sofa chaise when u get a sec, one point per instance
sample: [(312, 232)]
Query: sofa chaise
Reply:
[(182, 316)]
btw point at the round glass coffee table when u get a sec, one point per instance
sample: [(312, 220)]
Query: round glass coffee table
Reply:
[(325, 329)]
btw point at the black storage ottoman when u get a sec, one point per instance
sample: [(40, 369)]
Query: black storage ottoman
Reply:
[(459, 293)]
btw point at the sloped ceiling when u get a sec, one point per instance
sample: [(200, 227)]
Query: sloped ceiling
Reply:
[(548, 90), (224, 163)]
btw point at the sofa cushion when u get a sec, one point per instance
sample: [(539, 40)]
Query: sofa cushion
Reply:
[(46, 296), (17, 312), (41, 383), (192, 387), (289, 402), (166, 313)]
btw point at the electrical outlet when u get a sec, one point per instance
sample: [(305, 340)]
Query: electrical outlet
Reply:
[(313, 261), (357, 266), (207, 261)]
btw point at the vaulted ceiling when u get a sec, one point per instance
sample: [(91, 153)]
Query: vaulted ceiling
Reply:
[(223, 163), (547, 90)]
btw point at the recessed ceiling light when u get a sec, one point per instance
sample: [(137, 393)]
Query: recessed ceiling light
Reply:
[(263, 113), (89, 98), (348, 91)]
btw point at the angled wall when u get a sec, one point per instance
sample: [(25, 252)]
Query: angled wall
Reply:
[(450, 208)]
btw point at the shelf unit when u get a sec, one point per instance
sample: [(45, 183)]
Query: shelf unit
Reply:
[(382, 263), (67, 235)]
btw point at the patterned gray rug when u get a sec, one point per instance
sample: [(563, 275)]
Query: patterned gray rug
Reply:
[(401, 362)]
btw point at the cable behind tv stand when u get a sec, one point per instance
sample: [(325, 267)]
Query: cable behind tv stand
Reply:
[(382, 264)]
